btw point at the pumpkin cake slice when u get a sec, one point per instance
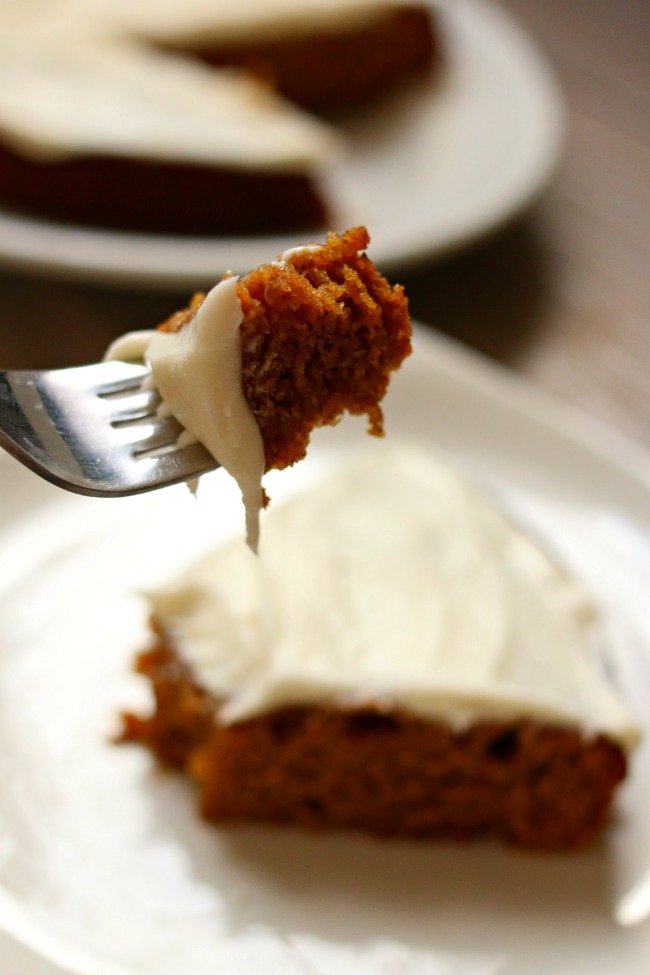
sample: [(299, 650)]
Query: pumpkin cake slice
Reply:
[(400, 659), (250, 369)]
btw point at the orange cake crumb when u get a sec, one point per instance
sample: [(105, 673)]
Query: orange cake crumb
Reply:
[(321, 333)]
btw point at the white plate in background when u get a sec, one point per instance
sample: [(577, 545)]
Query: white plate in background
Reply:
[(105, 868), (427, 171)]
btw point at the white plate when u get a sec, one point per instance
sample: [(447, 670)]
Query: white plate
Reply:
[(429, 170), (104, 866)]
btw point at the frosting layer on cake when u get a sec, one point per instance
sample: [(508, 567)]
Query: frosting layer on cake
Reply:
[(393, 584), (63, 99)]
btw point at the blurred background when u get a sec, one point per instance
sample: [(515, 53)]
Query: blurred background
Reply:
[(561, 293)]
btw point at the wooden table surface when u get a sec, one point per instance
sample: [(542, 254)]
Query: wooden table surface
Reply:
[(562, 295)]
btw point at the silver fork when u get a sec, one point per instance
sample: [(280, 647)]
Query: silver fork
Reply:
[(94, 430)]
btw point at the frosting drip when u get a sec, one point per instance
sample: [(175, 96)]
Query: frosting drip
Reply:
[(393, 583), (197, 371)]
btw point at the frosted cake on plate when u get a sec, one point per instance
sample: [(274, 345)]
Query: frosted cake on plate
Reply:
[(401, 659)]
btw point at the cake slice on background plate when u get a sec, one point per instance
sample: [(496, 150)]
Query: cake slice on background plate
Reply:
[(103, 131)]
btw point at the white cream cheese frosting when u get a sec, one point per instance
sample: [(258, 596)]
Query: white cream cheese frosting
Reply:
[(67, 97), (393, 583), (198, 374)]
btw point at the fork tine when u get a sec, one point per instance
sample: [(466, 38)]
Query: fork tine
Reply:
[(66, 426), (117, 386), (164, 433), (103, 378), (171, 468), (144, 435), (116, 380), (136, 406)]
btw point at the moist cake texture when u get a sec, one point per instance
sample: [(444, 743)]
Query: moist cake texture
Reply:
[(390, 773), (401, 659), (322, 331), (253, 367)]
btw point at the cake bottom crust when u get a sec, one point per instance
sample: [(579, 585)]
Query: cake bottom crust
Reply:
[(390, 773)]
